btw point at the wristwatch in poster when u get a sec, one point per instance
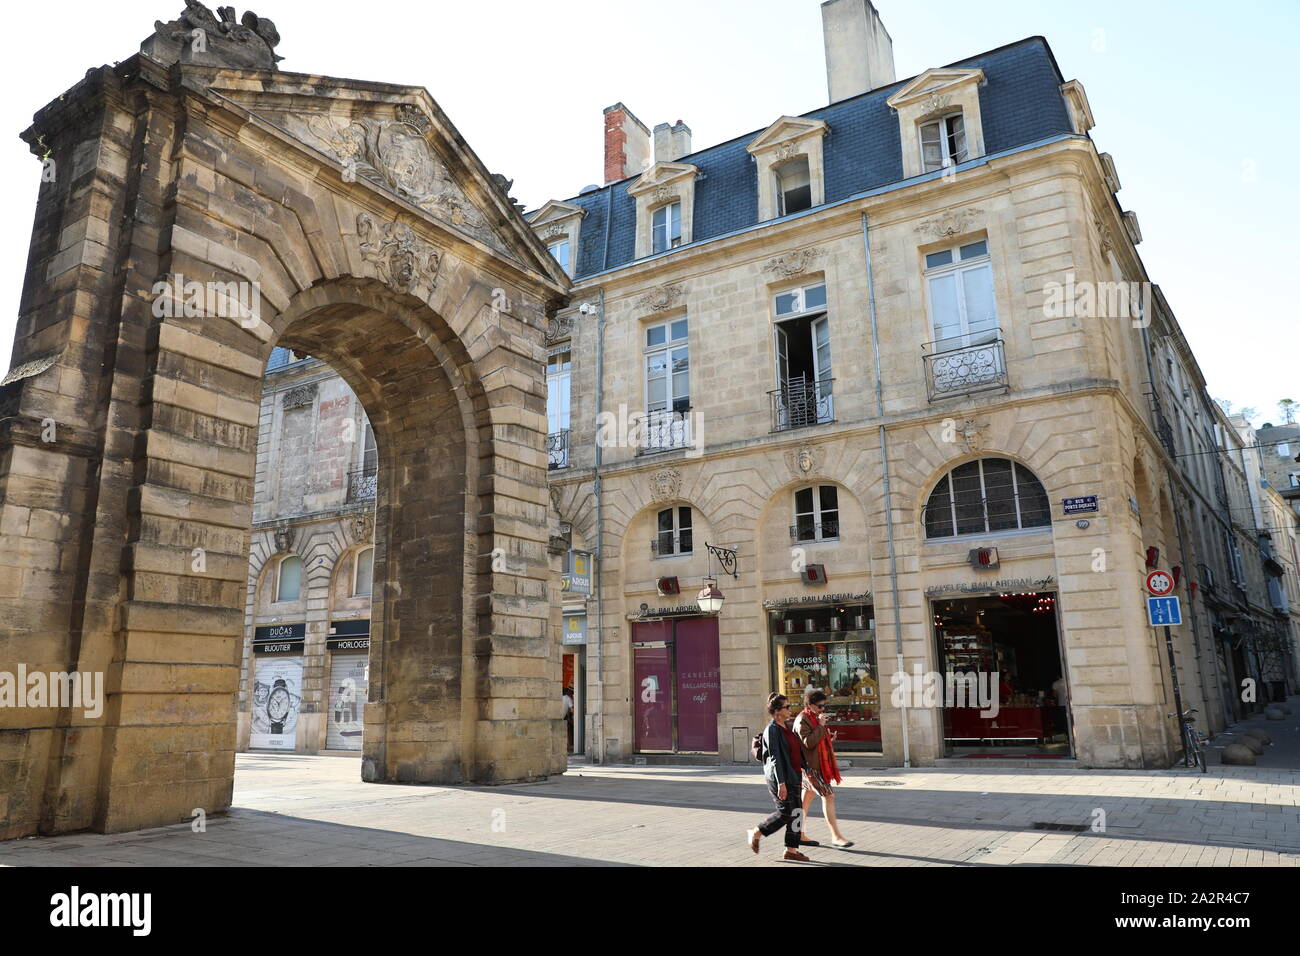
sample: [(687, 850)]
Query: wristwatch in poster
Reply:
[(277, 705)]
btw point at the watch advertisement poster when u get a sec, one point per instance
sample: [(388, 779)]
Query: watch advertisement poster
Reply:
[(277, 697)]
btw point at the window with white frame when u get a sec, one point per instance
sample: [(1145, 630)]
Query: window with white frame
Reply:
[(793, 187), (674, 532), (817, 513), (667, 387), (363, 572), (288, 579), (943, 142), (803, 358), (1284, 450), (984, 497), (560, 251), (959, 282), (666, 227), (558, 374), (369, 452)]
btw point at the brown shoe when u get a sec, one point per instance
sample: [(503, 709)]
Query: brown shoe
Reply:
[(795, 856), (754, 836)]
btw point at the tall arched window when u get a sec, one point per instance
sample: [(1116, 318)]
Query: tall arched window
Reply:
[(985, 496), (365, 568), (288, 584)]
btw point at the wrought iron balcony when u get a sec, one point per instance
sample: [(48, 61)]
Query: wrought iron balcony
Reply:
[(800, 403), (666, 545), (963, 370), (557, 449), (664, 431), (362, 485), (808, 530), (1164, 431)]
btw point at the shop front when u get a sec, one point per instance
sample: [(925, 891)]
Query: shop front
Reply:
[(677, 684), (1004, 687), (829, 642), (277, 686), (573, 682), (349, 669)]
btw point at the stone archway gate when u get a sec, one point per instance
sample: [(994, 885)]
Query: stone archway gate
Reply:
[(198, 207)]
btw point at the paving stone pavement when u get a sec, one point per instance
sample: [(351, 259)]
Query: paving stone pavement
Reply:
[(303, 810)]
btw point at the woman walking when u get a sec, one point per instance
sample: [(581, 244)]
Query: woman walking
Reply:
[(819, 766), (782, 758)]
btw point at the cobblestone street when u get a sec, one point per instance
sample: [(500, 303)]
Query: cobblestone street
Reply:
[(303, 810)]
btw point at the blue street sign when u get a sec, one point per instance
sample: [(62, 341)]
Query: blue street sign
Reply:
[(1080, 506), (1164, 612)]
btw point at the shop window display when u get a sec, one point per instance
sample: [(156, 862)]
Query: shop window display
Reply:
[(832, 648), (1006, 648)]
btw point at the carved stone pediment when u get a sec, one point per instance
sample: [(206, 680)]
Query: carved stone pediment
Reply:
[(395, 153)]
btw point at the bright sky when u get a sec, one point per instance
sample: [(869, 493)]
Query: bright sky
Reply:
[(1189, 97)]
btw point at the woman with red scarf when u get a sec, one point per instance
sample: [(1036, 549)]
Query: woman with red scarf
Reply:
[(819, 767)]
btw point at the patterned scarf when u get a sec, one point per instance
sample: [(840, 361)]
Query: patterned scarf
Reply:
[(826, 754)]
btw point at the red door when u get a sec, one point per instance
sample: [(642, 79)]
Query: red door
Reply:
[(652, 667), (699, 684)]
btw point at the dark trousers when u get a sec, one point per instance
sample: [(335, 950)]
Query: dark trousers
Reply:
[(789, 814)]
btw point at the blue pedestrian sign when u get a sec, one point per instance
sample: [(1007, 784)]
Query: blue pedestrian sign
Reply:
[(1164, 612)]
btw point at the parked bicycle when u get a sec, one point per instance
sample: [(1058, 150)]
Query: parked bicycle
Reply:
[(1193, 742)]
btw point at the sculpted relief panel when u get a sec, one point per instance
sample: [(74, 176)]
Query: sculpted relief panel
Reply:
[(395, 154)]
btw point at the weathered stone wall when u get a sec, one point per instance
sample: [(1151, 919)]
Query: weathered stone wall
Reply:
[(162, 173)]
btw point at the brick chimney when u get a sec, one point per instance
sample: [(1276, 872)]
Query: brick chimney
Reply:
[(672, 142), (859, 52), (627, 144)]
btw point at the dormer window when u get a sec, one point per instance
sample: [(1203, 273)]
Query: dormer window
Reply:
[(939, 119), (666, 227), (943, 143), (793, 187), (558, 225)]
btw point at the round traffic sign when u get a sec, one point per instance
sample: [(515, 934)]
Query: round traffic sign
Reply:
[(1160, 583)]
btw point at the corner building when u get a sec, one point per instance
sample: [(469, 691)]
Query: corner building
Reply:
[(831, 346)]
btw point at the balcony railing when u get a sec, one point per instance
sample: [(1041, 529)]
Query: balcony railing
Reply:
[(963, 370), (1164, 431), (665, 545), (362, 485), (557, 449), (665, 431), (800, 403), (807, 529)]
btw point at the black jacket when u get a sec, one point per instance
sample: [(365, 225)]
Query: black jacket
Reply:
[(777, 767)]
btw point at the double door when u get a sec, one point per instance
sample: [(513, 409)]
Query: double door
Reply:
[(677, 685)]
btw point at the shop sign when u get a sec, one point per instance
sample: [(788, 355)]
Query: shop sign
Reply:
[(1080, 506), (648, 613), (575, 629), (348, 643), (280, 632), (992, 587), (278, 647), (578, 580), (777, 603), (359, 628)]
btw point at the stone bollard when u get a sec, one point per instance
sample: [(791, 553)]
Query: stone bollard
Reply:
[(1260, 735), (1255, 745), (1238, 755), (1286, 709), (1273, 712)]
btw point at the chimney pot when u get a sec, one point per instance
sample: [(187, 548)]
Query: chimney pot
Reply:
[(627, 144)]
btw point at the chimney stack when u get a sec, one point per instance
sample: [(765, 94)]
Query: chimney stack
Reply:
[(859, 52), (672, 142), (627, 144)]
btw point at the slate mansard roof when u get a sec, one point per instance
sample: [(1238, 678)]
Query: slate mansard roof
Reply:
[(1021, 103)]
